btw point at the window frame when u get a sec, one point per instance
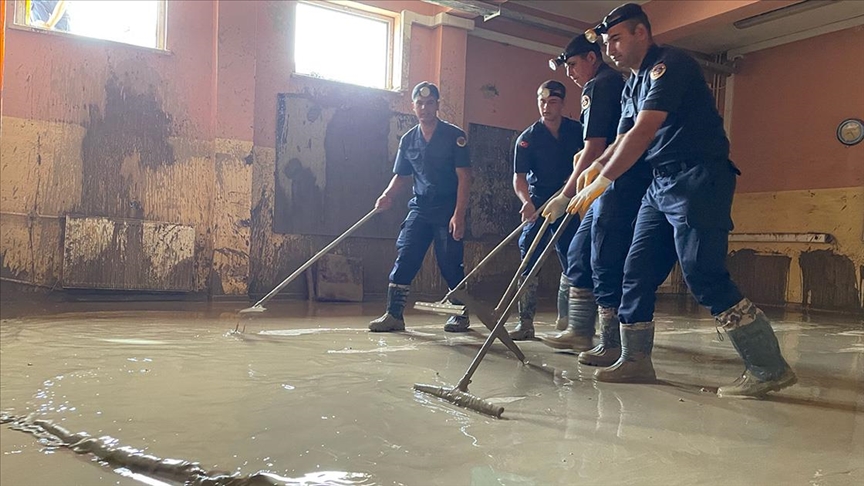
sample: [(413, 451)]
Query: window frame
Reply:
[(363, 11), (20, 21)]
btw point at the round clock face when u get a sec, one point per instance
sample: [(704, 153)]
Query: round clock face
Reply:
[(850, 131)]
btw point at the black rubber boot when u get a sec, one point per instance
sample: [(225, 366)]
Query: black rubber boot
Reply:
[(752, 336), (609, 350), (579, 335), (634, 365), (524, 331), (457, 323), (563, 320), (392, 320)]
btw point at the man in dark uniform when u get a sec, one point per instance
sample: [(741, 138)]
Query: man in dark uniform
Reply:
[(542, 162), (435, 155), (686, 213), (597, 251)]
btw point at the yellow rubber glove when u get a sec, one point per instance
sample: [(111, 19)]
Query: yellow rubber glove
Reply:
[(582, 201), (588, 175), (556, 207)]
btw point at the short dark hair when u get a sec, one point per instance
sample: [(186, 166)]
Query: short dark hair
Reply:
[(638, 19)]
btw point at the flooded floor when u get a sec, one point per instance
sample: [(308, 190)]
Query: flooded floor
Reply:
[(308, 394)]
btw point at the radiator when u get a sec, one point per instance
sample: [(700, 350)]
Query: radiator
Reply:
[(123, 254)]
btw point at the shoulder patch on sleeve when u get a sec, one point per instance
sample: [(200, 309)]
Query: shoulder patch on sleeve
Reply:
[(523, 144), (586, 102), (658, 70), (461, 141)]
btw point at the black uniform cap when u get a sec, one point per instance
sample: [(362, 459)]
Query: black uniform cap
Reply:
[(620, 14), (425, 88), (551, 88), (577, 45)]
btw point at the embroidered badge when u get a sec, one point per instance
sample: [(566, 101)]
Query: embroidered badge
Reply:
[(523, 144), (544, 93), (425, 91), (586, 102), (461, 141), (658, 71)]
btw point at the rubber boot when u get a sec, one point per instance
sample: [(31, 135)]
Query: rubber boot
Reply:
[(457, 323), (579, 335), (634, 365), (524, 331), (392, 320), (563, 321), (752, 336), (609, 350)]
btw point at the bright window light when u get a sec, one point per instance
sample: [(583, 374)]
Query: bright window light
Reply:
[(137, 22), (343, 45)]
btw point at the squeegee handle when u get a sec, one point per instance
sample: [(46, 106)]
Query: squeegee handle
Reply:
[(315, 258), (497, 249), (499, 326)]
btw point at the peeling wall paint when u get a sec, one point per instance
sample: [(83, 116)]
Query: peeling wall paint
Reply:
[(103, 253), (833, 211)]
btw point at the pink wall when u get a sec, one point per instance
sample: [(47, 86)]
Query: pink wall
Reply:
[(56, 76), (501, 84), (788, 102)]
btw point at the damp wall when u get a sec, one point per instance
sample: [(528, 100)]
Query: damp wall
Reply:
[(192, 138), (797, 177)]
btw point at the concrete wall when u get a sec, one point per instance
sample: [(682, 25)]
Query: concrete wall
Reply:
[(798, 178), (96, 128), (189, 136)]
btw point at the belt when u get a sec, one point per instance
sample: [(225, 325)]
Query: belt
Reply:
[(672, 168)]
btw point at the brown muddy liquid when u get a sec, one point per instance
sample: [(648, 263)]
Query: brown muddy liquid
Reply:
[(309, 397)]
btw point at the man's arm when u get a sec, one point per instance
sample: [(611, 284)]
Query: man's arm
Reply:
[(628, 149), (633, 144), (397, 185), (520, 187), (463, 196)]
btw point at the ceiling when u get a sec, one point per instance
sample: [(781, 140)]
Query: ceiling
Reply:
[(841, 14), (728, 37), (588, 11)]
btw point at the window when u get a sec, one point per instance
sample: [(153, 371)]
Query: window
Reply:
[(140, 22), (343, 44)]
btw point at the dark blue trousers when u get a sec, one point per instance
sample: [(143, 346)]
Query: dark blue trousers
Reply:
[(685, 216), (420, 229), (598, 250), (530, 230)]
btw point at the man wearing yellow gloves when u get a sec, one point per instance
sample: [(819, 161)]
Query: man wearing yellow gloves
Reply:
[(686, 213), (596, 254)]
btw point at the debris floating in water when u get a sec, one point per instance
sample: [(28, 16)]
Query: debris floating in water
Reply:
[(107, 450)]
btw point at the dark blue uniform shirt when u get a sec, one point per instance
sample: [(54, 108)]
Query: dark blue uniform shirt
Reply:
[(601, 104), (670, 80), (547, 161), (433, 164)]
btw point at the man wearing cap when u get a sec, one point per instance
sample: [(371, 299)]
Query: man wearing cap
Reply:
[(434, 154), (597, 251), (542, 163), (686, 212)]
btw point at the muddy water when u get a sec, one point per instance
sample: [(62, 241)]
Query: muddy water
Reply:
[(309, 396)]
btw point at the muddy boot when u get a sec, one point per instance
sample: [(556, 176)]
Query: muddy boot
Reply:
[(609, 350), (392, 320), (579, 335), (457, 323), (634, 365), (524, 331), (752, 336), (563, 297)]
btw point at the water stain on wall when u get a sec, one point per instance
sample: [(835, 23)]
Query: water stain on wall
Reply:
[(131, 136), (829, 280)]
